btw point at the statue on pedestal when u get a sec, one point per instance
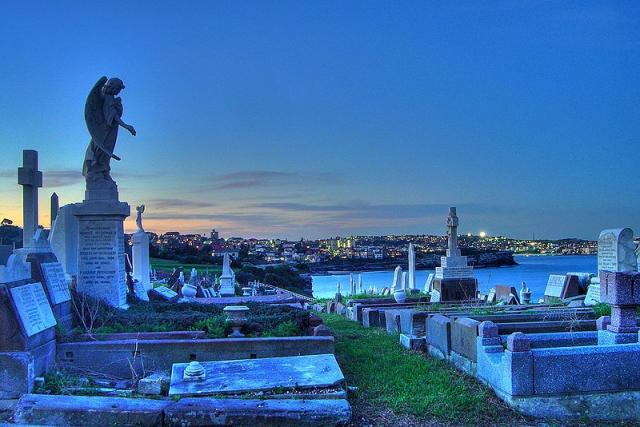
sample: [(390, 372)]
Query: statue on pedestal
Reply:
[(102, 113)]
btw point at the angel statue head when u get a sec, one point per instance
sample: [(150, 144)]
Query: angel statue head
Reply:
[(113, 86)]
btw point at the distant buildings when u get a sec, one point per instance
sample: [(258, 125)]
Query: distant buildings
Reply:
[(354, 247)]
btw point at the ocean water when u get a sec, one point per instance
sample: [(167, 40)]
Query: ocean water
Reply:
[(533, 270)]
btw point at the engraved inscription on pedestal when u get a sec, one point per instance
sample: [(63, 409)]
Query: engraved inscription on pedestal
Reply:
[(55, 281), (101, 260), (32, 308)]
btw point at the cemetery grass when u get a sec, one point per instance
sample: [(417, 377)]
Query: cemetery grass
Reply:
[(168, 265), (399, 387)]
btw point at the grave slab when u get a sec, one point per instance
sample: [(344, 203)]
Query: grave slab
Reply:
[(243, 376)]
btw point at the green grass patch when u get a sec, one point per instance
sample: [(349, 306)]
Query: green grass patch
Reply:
[(407, 382), (169, 264)]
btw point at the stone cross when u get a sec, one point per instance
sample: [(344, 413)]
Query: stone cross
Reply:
[(31, 179), (452, 231)]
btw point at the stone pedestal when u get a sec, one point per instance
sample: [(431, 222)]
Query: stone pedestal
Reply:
[(140, 253), (101, 261), (455, 289), (622, 291)]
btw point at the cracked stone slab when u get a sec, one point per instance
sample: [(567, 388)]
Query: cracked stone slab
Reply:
[(255, 375)]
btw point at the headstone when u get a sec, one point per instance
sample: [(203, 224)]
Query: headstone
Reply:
[(412, 266), (429, 282), (64, 238), (504, 292), (163, 293), (397, 278), (101, 261), (140, 252), (32, 308), (55, 282), (491, 298), (140, 291), (555, 286), (31, 179), (561, 286), (593, 292), (616, 250)]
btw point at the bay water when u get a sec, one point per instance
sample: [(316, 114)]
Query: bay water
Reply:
[(534, 270)]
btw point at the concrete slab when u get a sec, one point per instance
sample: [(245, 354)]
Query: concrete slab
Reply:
[(283, 412), (244, 376)]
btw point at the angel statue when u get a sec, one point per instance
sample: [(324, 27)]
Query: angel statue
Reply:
[(102, 113), (140, 210)]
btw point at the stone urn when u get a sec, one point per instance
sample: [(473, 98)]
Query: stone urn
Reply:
[(400, 295), (194, 372), (189, 291), (237, 318)]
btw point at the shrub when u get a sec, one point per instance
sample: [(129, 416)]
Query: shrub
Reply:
[(284, 329)]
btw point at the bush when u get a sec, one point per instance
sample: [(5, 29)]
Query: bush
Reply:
[(284, 329)]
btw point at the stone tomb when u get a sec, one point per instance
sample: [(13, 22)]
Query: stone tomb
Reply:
[(27, 323), (314, 372)]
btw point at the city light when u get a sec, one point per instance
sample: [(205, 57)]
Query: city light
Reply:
[(483, 234)]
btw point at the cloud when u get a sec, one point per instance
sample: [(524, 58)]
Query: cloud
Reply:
[(178, 203), (363, 210), (263, 178), (62, 177)]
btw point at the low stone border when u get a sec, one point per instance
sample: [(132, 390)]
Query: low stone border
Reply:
[(117, 358), (93, 410)]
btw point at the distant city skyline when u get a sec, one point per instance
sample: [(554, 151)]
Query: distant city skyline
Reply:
[(301, 119)]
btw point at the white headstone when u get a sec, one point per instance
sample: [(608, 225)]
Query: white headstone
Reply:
[(227, 279), (32, 307), (404, 280), (616, 250), (555, 285), (56, 282), (593, 292), (141, 291), (412, 266), (428, 283), (63, 238), (397, 279), (140, 252), (165, 292)]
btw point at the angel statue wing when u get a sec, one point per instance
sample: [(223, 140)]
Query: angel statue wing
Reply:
[(94, 117)]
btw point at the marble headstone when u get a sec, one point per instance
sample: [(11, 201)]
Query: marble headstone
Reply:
[(616, 250), (56, 282), (32, 308)]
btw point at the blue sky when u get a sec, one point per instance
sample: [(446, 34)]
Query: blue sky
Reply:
[(310, 118)]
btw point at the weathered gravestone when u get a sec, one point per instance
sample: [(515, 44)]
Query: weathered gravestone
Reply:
[(593, 293), (561, 286), (163, 293), (507, 294), (27, 323), (616, 250)]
